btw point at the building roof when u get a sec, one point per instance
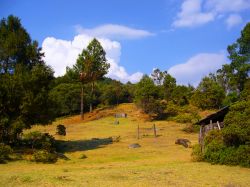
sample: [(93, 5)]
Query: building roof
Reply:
[(218, 116)]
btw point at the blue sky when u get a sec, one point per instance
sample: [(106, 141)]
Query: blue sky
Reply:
[(186, 37)]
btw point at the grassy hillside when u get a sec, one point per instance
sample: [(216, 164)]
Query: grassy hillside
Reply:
[(158, 162)]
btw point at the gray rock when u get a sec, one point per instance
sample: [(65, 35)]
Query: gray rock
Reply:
[(185, 142), (134, 145)]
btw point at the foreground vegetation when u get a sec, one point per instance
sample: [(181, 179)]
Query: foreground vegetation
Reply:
[(158, 162)]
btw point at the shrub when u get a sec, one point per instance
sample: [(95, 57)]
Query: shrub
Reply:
[(38, 140), (171, 109), (83, 156), (214, 135), (5, 151), (61, 130), (44, 156), (197, 154), (213, 152), (183, 118)]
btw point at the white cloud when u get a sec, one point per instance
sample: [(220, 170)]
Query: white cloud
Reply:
[(198, 66), (198, 12), (191, 14), (62, 53), (233, 20), (114, 31), (221, 6)]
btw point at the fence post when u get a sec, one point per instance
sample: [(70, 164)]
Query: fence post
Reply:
[(138, 132), (154, 130)]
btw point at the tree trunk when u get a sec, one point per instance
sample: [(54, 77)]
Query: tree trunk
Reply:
[(82, 115), (91, 100)]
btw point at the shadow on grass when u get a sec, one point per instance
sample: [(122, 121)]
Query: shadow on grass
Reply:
[(81, 145)]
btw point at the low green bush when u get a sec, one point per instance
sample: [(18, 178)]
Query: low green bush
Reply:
[(61, 130), (197, 154), (38, 140), (5, 151), (183, 118), (44, 156)]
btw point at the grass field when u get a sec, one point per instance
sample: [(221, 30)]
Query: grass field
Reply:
[(158, 162)]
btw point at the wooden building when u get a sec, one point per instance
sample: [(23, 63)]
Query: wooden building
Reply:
[(211, 122)]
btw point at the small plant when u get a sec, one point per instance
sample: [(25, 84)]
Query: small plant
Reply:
[(83, 156), (44, 156), (61, 130), (5, 151)]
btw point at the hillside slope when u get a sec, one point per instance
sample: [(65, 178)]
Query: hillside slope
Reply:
[(158, 162)]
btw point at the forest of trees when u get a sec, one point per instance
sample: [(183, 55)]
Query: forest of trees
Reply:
[(30, 94)]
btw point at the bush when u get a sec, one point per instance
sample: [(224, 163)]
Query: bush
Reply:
[(83, 156), (5, 151), (44, 156), (183, 118), (219, 154), (197, 154), (61, 130), (38, 140)]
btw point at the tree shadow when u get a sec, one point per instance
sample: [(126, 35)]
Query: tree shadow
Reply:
[(63, 146)]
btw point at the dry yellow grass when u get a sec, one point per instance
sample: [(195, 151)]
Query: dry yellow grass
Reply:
[(158, 162)]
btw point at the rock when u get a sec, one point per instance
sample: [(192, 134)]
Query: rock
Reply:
[(134, 145), (185, 142), (115, 138)]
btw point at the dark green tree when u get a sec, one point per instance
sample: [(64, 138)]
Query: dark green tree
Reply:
[(16, 46), (233, 76), (24, 82), (169, 84), (90, 66), (147, 97), (209, 94)]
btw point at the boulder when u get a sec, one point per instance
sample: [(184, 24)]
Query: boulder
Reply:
[(185, 142), (134, 145)]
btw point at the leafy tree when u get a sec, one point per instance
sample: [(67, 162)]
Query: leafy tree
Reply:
[(24, 82), (91, 66), (209, 94), (237, 122), (182, 94), (147, 97), (169, 85), (16, 46), (66, 98), (233, 76)]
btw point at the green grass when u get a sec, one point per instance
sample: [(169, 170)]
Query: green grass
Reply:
[(159, 161)]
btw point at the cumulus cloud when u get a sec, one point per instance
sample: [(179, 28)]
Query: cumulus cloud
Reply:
[(233, 20), (114, 31), (198, 12), (198, 66), (62, 53), (192, 15), (227, 5)]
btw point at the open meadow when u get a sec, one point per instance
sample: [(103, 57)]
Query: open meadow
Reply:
[(158, 162)]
